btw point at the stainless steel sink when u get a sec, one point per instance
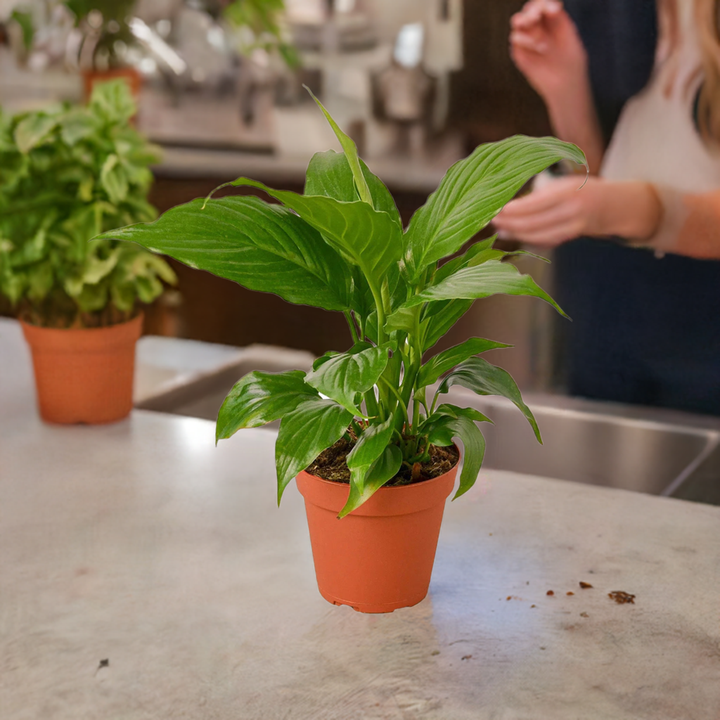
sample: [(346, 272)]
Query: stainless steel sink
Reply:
[(594, 447), (641, 449)]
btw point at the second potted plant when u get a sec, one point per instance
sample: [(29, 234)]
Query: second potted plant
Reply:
[(66, 174), (373, 450)]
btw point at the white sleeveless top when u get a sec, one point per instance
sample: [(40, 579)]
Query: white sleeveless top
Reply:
[(656, 139)]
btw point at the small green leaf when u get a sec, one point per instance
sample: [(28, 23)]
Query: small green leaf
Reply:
[(342, 376), (114, 180), (312, 427), (474, 445), (33, 130), (476, 254), (351, 153), (259, 398), (370, 445), (364, 483), (448, 359), (490, 278), (329, 174), (455, 412), (483, 378)]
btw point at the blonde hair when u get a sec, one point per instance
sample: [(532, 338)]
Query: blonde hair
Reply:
[(707, 17), (707, 21)]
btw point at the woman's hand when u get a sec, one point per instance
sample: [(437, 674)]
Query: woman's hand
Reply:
[(563, 210), (546, 48)]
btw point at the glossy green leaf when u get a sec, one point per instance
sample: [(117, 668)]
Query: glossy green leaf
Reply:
[(370, 239), (448, 359), (474, 446), (474, 190), (445, 314), (329, 174), (259, 398), (370, 445), (490, 278), (454, 411), (483, 378), (304, 433), (344, 375), (476, 254), (260, 246), (350, 151), (366, 482)]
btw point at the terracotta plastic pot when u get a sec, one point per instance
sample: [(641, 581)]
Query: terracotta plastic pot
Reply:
[(84, 375), (380, 557)]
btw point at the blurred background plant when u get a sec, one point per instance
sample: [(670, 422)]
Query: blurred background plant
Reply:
[(258, 25), (105, 27), (68, 173)]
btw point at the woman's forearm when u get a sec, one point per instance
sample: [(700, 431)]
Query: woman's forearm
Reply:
[(574, 119), (690, 224)]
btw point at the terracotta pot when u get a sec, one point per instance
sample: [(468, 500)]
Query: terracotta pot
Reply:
[(84, 375), (380, 557), (131, 76)]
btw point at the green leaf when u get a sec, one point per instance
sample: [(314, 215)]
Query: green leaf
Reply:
[(366, 482), (404, 318), (260, 246), (483, 378), (33, 130), (76, 125), (476, 254), (329, 174), (114, 180), (370, 239), (113, 100), (448, 359), (474, 190), (474, 445), (304, 433), (454, 411), (259, 398), (351, 153), (98, 268), (490, 278), (445, 314), (342, 376), (370, 445)]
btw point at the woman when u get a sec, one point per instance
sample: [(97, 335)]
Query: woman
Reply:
[(646, 321)]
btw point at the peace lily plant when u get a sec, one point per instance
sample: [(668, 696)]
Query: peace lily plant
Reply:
[(341, 246)]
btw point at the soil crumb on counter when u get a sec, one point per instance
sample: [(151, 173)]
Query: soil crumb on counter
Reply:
[(331, 465), (621, 597)]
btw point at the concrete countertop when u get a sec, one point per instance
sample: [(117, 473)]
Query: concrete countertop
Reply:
[(142, 544)]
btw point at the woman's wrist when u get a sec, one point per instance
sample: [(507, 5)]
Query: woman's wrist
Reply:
[(633, 211)]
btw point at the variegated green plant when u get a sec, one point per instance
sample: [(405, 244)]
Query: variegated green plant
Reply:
[(66, 174), (341, 246)]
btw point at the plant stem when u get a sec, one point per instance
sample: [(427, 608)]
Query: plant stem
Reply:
[(403, 407), (351, 325)]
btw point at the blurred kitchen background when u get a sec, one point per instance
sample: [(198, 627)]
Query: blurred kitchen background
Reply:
[(417, 83)]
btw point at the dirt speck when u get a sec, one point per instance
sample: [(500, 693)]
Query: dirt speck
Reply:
[(550, 592), (585, 585), (621, 597)]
